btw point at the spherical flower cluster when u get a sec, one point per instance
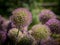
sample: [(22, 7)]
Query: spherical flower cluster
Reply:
[(40, 31), (21, 17), (14, 35), (5, 25), (45, 15), (2, 36), (54, 25)]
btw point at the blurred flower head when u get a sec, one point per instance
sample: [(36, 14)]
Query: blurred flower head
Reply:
[(54, 25), (40, 31), (3, 23), (45, 15), (14, 35), (21, 17)]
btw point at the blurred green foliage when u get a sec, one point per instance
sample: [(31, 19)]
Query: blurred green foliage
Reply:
[(35, 20), (7, 6), (56, 35)]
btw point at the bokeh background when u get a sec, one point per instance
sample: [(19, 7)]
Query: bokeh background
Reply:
[(35, 7), (7, 6)]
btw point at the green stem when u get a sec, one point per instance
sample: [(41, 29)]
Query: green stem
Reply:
[(17, 36)]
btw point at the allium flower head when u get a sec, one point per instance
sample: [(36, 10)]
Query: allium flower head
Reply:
[(5, 25), (45, 15), (40, 31), (2, 36), (13, 34), (21, 17), (54, 25)]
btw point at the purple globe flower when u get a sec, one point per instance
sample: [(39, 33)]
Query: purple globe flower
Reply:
[(3, 23), (2, 36), (54, 25), (21, 17), (12, 34), (40, 32), (45, 15)]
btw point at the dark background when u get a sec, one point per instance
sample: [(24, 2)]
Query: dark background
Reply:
[(7, 6)]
